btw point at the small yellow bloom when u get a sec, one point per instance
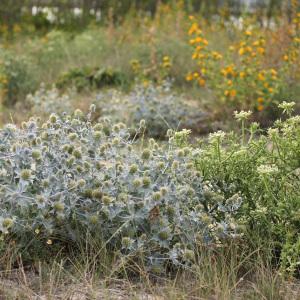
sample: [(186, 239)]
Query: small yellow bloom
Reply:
[(194, 29), (216, 55), (189, 77), (260, 100), (285, 58), (248, 33), (195, 56), (274, 72), (242, 51), (49, 242), (261, 77), (37, 231), (205, 42), (242, 74)]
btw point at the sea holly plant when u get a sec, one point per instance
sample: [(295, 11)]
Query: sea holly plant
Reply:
[(158, 106), (48, 100), (68, 173)]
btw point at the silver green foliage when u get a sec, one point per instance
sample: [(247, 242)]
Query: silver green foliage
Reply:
[(69, 173), (157, 105), (48, 100)]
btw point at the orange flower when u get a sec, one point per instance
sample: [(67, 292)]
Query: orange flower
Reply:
[(233, 93), (261, 50), (260, 107), (201, 82)]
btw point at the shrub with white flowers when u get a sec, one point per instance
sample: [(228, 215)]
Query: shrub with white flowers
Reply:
[(68, 173)]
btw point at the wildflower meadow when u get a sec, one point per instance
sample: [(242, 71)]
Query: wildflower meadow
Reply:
[(150, 149)]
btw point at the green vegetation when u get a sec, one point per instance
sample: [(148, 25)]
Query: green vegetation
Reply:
[(152, 152)]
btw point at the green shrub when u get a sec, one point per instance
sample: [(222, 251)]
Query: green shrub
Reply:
[(264, 169), (86, 78), (66, 177), (16, 78)]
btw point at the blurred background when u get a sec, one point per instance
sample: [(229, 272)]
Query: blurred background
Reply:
[(215, 55)]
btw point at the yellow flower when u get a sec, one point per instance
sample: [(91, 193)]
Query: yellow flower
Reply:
[(205, 42), (37, 231), (49, 242), (242, 51), (216, 55), (285, 58), (167, 65), (260, 100), (271, 90), (195, 56), (248, 49), (194, 29), (146, 83), (274, 72), (229, 82), (166, 58), (248, 33), (242, 74), (261, 77), (189, 77)]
